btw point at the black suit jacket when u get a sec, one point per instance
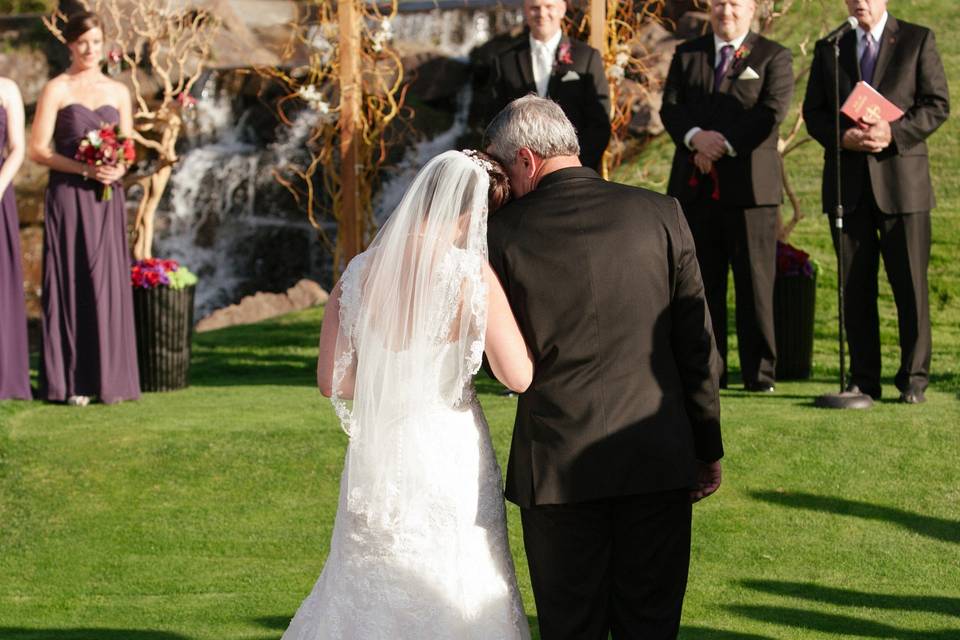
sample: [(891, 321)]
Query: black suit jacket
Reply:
[(585, 99), (604, 282), (908, 73), (748, 112)]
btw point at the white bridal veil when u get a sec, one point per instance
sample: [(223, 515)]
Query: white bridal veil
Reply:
[(412, 322)]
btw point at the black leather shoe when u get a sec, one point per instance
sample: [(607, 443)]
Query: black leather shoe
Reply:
[(873, 393), (758, 387), (913, 396)]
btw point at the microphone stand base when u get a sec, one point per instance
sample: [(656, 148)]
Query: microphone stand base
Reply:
[(843, 400)]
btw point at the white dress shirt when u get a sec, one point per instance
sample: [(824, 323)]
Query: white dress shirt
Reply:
[(718, 44), (543, 55), (876, 32)]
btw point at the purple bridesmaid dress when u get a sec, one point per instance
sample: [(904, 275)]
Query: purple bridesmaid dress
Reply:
[(89, 345), (14, 358)]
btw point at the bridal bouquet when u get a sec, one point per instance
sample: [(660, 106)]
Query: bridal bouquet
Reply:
[(104, 146), (154, 272)]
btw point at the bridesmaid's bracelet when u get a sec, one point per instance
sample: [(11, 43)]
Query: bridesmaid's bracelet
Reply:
[(85, 173)]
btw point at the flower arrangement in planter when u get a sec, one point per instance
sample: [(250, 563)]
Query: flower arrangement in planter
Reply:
[(163, 293), (154, 272), (794, 262), (794, 302)]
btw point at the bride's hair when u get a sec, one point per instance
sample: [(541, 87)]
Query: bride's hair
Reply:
[(499, 192)]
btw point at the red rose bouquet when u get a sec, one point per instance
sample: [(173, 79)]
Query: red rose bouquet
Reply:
[(104, 146)]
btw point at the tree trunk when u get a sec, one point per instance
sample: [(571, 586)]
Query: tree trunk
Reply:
[(153, 188)]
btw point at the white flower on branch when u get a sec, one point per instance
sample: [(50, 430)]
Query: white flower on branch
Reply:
[(309, 94), (382, 36)]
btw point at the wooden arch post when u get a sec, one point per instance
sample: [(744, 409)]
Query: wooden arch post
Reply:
[(598, 40), (349, 226)]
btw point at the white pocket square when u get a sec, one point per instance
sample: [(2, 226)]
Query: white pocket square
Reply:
[(749, 74), (570, 75)]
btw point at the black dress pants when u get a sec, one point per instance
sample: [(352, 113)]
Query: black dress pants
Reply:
[(746, 240), (903, 241), (616, 566)]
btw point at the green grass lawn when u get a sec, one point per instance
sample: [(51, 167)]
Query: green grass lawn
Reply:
[(205, 514)]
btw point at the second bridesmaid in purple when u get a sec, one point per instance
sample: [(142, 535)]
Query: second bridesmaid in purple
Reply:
[(89, 345), (14, 358)]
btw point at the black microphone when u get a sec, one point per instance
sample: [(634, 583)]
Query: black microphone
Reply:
[(840, 31)]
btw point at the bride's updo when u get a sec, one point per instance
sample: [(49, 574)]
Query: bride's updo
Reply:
[(499, 192)]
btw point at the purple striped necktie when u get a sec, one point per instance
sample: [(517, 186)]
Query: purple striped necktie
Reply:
[(868, 60), (726, 54)]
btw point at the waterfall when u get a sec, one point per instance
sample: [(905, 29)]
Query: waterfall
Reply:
[(227, 218), (219, 209)]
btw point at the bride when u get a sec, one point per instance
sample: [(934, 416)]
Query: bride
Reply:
[(419, 547)]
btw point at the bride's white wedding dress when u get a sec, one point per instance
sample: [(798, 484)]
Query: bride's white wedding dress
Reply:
[(419, 547)]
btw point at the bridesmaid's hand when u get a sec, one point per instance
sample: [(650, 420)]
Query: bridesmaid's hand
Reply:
[(107, 174)]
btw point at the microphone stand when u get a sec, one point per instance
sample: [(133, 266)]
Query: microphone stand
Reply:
[(843, 399)]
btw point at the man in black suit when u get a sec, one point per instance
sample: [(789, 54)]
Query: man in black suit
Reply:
[(886, 190), (725, 96), (620, 429), (545, 61)]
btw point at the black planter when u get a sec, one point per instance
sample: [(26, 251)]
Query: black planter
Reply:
[(794, 302), (164, 322)]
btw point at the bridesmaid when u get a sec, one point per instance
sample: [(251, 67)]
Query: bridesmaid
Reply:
[(14, 358), (89, 347)]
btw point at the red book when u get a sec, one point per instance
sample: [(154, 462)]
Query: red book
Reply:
[(864, 100)]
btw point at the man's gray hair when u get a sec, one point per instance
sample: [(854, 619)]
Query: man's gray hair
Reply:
[(533, 123)]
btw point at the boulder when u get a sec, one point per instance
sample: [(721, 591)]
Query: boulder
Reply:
[(262, 305)]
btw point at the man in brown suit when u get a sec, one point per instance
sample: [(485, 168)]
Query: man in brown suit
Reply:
[(886, 190)]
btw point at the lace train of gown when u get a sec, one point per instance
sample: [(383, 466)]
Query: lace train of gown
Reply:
[(445, 571)]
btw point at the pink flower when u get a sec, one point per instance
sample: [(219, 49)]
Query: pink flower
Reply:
[(564, 55)]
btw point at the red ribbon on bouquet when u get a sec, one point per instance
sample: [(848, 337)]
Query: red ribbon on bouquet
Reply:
[(695, 179)]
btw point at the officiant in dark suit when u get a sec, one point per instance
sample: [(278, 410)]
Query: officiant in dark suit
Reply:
[(620, 429), (545, 61), (725, 96), (886, 190)]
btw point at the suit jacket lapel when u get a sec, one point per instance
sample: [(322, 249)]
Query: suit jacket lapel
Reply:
[(848, 59), (525, 62), (738, 65), (887, 45), (708, 62), (559, 69)]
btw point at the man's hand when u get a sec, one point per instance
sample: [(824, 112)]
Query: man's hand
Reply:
[(877, 133), (868, 137), (711, 144), (708, 480), (703, 164)]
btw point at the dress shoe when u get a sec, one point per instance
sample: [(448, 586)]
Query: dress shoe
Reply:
[(912, 396), (78, 401), (758, 387), (873, 393)]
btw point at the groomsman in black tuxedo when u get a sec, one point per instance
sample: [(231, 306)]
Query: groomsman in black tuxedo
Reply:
[(545, 61), (620, 430), (886, 190), (725, 96)]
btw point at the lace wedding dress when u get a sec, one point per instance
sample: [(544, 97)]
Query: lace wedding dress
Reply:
[(419, 547)]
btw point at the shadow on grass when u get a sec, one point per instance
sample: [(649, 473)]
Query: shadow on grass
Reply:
[(838, 625), (264, 353), (704, 633), (18, 633), (929, 526), (848, 598), (274, 622)]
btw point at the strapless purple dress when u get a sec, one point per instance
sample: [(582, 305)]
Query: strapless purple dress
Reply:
[(14, 359), (89, 345)]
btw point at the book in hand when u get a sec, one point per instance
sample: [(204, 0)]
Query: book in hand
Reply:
[(866, 102)]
